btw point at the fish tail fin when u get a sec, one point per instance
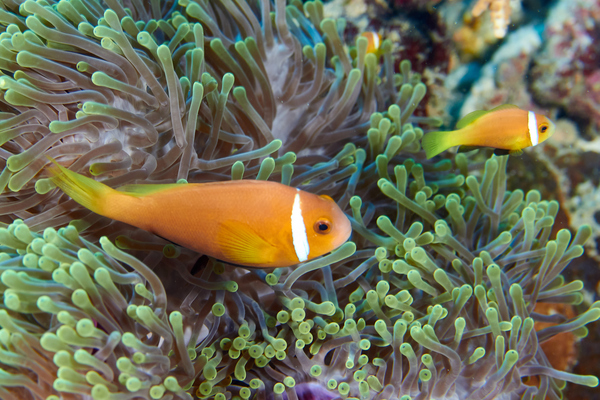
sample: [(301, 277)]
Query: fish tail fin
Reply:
[(436, 142), (91, 194)]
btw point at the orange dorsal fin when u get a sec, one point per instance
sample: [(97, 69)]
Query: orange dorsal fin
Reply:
[(475, 115), (242, 245), (470, 118), (143, 189)]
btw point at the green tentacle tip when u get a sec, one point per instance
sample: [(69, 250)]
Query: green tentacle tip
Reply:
[(279, 344), (228, 80), (176, 319), (283, 316), (100, 392), (171, 251), (171, 384), (380, 253), (279, 388), (355, 202), (344, 388), (164, 53), (133, 384), (266, 169), (326, 308), (360, 375), (256, 383), (272, 279), (245, 393), (237, 170), (588, 380), (231, 286), (364, 344), (332, 328), (425, 375), (477, 354), (316, 370), (205, 388), (218, 309), (289, 381), (298, 314)]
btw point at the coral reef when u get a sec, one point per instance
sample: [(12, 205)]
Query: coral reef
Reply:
[(503, 78), (432, 299), (500, 11), (476, 29), (566, 74)]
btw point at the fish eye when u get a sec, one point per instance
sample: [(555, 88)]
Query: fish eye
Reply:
[(323, 226), (543, 128)]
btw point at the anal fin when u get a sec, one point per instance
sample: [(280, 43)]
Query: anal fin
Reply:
[(516, 153), (501, 152), (504, 152)]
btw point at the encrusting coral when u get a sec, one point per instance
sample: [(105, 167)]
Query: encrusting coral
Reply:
[(499, 13), (433, 299)]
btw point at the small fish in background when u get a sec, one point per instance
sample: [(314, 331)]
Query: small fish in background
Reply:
[(374, 40), (244, 222), (506, 128)]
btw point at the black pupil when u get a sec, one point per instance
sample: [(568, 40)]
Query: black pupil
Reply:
[(543, 129), (323, 227)]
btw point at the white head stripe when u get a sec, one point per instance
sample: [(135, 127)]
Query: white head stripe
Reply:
[(299, 237), (533, 129), (375, 40)]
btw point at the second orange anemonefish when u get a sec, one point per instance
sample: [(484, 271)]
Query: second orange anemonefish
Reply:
[(374, 40), (245, 222), (506, 128)]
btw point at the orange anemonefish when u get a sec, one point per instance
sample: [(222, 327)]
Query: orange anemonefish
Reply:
[(374, 41), (506, 128), (246, 222)]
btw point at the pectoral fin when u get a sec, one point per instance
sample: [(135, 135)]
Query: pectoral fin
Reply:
[(516, 153), (242, 245)]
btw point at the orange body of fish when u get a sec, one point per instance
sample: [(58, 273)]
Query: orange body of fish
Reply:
[(374, 41), (506, 127), (245, 222)]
